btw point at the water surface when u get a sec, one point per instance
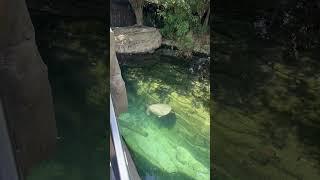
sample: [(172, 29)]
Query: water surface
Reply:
[(175, 146), (265, 106), (75, 58)]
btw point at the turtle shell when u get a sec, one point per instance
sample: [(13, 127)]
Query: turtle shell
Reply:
[(159, 109)]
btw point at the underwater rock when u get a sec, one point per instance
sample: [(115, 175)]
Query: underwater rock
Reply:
[(159, 109), (131, 122), (186, 158), (182, 155), (135, 129)]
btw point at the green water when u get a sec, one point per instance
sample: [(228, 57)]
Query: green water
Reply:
[(265, 107), (77, 74), (174, 146)]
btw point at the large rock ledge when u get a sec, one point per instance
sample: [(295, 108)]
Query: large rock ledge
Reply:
[(134, 39)]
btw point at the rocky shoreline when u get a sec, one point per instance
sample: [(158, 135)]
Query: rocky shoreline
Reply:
[(141, 40)]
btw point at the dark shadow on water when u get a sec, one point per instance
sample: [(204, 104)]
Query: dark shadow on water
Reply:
[(168, 121)]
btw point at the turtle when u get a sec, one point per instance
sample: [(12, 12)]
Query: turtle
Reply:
[(167, 118), (159, 109)]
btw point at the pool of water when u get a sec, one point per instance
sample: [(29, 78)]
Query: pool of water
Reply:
[(265, 106), (175, 146), (77, 72)]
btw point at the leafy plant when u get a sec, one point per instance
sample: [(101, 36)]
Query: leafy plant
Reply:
[(182, 16)]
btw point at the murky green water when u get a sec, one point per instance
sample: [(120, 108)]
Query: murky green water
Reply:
[(78, 79), (266, 107), (176, 146)]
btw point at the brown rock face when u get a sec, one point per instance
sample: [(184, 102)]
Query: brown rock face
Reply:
[(117, 85), (25, 90)]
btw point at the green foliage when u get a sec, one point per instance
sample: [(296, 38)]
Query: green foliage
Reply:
[(175, 26), (186, 42), (180, 17)]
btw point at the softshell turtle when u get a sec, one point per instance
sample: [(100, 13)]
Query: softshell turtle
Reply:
[(159, 109)]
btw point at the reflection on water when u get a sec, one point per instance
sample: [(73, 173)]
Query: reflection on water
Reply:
[(166, 145)]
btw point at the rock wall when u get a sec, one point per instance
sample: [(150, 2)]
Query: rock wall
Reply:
[(117, 86), (25, 89)]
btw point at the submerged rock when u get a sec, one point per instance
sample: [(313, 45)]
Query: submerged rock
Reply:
[(184, 157)]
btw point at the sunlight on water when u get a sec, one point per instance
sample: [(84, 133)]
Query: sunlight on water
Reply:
[(174, 146)]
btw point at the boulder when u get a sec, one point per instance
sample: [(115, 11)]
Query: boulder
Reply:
[(136, 39)]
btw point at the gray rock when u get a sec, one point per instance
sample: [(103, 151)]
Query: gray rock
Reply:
[(134, 39)]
